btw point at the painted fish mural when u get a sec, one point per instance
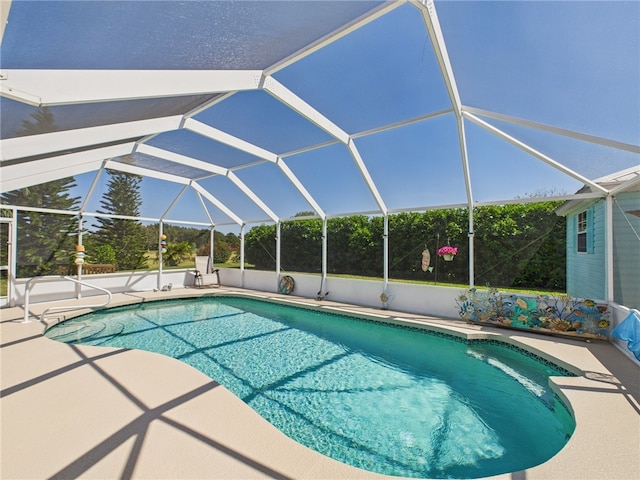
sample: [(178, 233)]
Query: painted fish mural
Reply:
[(545, 314)]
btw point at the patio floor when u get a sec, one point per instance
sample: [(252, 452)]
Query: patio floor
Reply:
[(72, 411)]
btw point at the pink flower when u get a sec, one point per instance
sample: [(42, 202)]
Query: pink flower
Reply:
[(447, 250)]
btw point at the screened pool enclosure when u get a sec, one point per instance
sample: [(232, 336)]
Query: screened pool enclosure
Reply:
[(357, 116)]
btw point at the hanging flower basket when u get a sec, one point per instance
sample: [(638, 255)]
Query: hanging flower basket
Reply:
[(447, 252)]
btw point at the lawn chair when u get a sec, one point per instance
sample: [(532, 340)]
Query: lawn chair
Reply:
[(205, 274)]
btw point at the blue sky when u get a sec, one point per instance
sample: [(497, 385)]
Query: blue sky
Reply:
[(574, 65)]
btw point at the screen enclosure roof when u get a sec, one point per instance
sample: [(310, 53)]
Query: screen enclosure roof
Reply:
[(237, 112)]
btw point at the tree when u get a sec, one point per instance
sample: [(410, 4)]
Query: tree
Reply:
[(44, 240), (102, 254), (177, 253), (515, 245), (126, 236), (520, 245), (348, 239), (260, 247), (301, 245), (176, 234)]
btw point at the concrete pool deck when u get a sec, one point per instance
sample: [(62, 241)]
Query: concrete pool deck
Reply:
[(70, 411)]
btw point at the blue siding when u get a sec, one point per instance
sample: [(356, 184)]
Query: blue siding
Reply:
[(586, 271), (626, 250)]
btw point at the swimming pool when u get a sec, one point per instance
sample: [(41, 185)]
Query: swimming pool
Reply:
[(384, 398)]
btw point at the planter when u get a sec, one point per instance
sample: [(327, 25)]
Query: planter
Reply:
[(448, 257)]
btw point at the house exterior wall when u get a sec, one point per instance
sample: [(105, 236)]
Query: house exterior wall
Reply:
[(626, 249), (586, 271)]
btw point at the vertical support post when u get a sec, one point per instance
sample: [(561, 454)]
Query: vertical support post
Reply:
[(242, 228), (79, 265), (324, 248), (323, 278), (608, 245), (385, 242), (13, 259), (430, 17), (211, 248), (160, 259), (278, 230), (471, 250)]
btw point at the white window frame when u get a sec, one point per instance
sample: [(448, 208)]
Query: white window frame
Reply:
[(582, 229)]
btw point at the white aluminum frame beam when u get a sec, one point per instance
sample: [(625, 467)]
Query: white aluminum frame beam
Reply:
[(295, 103), (5, 6), (173, 203), (180, 159), (309, 148), (606, 142), (121, 217), (626, 184), (74, 213), (301, 188), (191, 162), (242, 228), (402, 123), (208, 167), (206, 210), (430, 18), (608, 250), (278, 257), (92, 188), (323, 279), (291, 100), (363, 20), (35, 172), (366, 176), (210, 103), (228, 139), (365, 133), (540, 156), (249, 193), (49, 143), (244, 146), (67, 87), (206, 194), (146, 172)]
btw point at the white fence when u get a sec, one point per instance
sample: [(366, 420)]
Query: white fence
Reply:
[(414, 298)]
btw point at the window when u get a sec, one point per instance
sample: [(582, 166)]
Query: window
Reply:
[(582, 232)]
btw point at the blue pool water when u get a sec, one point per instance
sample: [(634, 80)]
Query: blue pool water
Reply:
[(385, 398)]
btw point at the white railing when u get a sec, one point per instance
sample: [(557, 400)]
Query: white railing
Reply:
[(32, 281)]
